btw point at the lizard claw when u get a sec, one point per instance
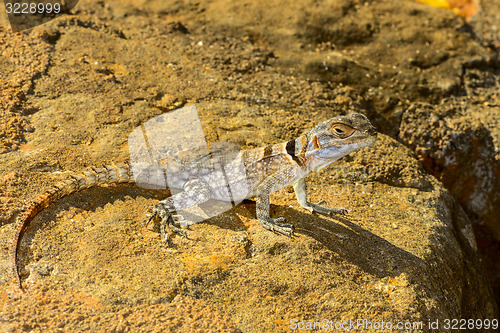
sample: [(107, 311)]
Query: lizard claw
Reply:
[(167, 220), (275, 225), (342, 211), (318, 208), (150, 217)]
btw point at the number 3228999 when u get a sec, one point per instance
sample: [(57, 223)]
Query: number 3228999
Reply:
[(32, 8)]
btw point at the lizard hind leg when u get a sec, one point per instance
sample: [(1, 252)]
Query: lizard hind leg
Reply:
[(164, 212), (169, 220), (196, 191)]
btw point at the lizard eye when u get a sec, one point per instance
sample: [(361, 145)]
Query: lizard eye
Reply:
[(341, 130)]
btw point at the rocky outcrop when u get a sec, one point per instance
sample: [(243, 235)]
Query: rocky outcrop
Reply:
[(459, 150), (405, 253)]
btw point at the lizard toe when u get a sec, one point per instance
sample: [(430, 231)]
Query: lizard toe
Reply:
[(285, 229), (168, 220), (150, 218)]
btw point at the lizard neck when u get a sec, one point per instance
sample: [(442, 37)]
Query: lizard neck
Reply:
[(317, 157), (304, 154), (296, 150)]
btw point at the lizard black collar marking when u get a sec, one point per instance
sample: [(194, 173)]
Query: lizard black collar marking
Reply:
[(290, 149)]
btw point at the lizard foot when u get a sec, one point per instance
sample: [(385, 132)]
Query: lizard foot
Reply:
[(167, 219), (318, 208), (275, 225)]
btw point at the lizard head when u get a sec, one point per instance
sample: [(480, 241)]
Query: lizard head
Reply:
[(337, 137)]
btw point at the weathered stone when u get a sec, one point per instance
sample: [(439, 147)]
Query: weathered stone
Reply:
[(405, 252)]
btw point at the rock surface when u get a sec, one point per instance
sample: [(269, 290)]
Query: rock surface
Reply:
[(74, 88)]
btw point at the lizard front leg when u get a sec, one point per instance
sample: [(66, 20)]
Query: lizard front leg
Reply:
[(269, 223), (301, 194), (273, 183)]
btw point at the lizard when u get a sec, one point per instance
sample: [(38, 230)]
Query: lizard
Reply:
[(267, 169)]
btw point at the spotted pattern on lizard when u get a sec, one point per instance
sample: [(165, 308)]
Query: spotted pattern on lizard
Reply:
[(267, 170)]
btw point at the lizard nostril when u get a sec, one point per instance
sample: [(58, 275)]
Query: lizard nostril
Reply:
[(370, 131)]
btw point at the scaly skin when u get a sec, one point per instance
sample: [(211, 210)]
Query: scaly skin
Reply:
[(267, 170), (110, 174)]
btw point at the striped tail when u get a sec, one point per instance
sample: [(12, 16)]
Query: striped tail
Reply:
[(108, 174)]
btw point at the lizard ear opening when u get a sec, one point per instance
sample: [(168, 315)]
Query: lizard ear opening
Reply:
[(316, 143)]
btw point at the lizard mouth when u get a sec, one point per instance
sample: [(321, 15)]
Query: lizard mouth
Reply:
[(347, 145), (373, 137), (367, 138)]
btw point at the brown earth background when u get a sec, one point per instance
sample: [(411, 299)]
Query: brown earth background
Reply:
[(422, 238)]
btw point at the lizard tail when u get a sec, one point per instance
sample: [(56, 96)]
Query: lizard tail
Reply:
[(108, 174)]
